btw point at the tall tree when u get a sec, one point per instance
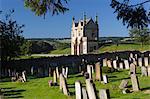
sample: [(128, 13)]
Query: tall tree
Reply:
[(140, 35), (132, 15), (10, 36)]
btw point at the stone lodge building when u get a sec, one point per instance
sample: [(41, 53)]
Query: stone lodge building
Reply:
[(84, 36)]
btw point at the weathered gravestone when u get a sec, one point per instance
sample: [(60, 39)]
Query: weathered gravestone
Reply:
[(146, 61), (121, 65), (78, 90), (57, 72), (132, 68), (66, 73), (148, 70), (84, 93), (32, 70), (109, 63), (126, 63), (54, 78), (135, 82), (24, 76), (124, 84), (143, 71), (105, 62), (63, 85), (104, 94), (105, 79), (89, 70), (63, 71), (140, 61), (115, 64), (90, 89), (98, 70)]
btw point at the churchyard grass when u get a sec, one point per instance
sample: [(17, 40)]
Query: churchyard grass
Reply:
[(37, 88)]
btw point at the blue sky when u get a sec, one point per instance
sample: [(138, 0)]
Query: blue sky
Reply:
[(60, 25)]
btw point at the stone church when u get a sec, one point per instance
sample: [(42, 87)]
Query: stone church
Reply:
[(84, 36)]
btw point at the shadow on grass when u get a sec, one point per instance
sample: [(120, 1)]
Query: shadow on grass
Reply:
[(13, 93), (145, 88), (114, 80)]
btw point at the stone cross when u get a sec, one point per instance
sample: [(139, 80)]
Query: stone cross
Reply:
[(105, 79), (132, 68), (143, 71), (135, 82), (90, 89), (104, 94), (54, 77), (124, 84), (89, 70), (98, 70), (84, 93), (126, 62), (78, 90)]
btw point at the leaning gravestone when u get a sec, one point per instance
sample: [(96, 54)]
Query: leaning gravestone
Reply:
[(135, 82), (143, 71), (78, 90), (89, 70), (124, 84), (104, 94), (148, 70), (60, 82), (63, 71), (90, 89), (84, 93), (98, 70), (105, 62), (105, 79), (63, 85), (126, 63), (132, 68), (109, 63), (54, 77)]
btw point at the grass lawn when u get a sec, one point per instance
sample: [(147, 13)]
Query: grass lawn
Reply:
[(61, 51), (124, 47), (37, 88)]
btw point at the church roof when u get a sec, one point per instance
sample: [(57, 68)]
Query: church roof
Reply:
[(82, 21)]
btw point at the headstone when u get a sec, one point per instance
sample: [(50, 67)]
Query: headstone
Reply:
[(89, 70), (63, 71), (90, 89), (66, 73), (135, 82), (143, 71), (115, 64), (32, 70), (132, 68), (57, 72), (24, 76), (92, 68), (84, 93), (148, 70), (105, 62), (140, 61), (126, 62), (146, 61), (60, 82), (78, 90), (98, 70), (104, 94), (131, 55), (109, 63), (124, 84), (121, 65), (105, 79), (54, 78)]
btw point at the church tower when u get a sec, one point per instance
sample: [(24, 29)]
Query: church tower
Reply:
[(84, 36)]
